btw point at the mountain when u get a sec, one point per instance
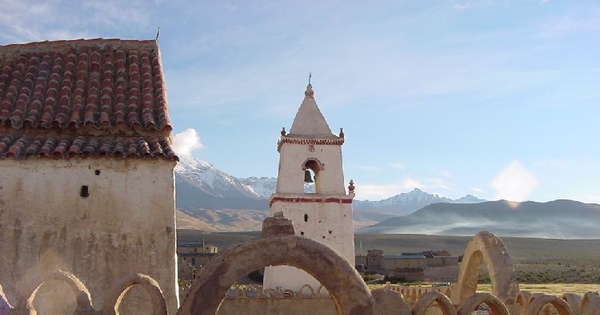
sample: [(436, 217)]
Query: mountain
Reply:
[(406, 203), (561, 219), (206, 195), (200, 185)]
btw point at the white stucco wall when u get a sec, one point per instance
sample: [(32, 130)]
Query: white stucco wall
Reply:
[(290, 179), (324, 216), (126, 224), (329, 223)]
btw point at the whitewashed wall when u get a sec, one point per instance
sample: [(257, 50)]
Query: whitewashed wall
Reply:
[(125, 225)]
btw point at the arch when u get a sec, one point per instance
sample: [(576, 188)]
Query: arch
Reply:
[(590, 304), (471, 304), (539, 302), (523, 300), (427, 299), (82, 295), (159, 305), (390, 302), (314, 166), (486, 248), (574, 302), (349, 292), (4, 305)]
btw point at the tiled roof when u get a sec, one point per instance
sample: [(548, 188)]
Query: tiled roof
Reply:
[(83, 98)]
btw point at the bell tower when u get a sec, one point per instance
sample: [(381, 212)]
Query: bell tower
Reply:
[(311, 191)]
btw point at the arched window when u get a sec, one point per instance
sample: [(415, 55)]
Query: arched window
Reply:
[(311, 168)]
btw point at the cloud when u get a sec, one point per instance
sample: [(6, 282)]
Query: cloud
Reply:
[(398, 166), (186, 141), (514, 182), (461, 6)]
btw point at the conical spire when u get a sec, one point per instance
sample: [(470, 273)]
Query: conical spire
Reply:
[(309, 120)]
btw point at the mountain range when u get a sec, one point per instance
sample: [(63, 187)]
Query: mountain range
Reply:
[(211, 200), (558, 219)]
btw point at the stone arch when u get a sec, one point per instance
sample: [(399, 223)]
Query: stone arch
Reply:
[(159, 305), (4, 305), (539, 302), (82, 295), (486, 248), (471, 304), (427, 299), (574, 302), (522, 301), (590, 304), (349, 292)]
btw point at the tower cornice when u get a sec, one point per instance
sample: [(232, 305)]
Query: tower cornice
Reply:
[(310, 198), (306, 140)]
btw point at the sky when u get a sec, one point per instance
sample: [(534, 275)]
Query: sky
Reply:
[(498, 99)]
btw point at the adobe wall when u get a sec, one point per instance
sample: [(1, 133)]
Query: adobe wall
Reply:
[(323, 306), (125, 224)]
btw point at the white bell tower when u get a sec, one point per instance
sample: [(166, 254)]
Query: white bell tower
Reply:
[(311, 191)]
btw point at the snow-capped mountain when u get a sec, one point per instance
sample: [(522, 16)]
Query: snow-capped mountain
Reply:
[(202, 187), (406, 203), (199, 185), (263, 187), (212, 180)]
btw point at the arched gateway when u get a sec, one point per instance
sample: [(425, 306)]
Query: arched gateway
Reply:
[(350, 294)]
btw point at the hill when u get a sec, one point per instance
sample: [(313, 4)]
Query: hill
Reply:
[(559, 219)]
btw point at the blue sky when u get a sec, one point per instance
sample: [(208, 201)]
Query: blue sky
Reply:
[(499, 99)]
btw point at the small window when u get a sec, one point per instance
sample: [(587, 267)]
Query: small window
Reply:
[(84, 191), (305, 217)]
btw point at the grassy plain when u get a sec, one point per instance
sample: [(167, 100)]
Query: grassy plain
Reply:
[(536, 261)]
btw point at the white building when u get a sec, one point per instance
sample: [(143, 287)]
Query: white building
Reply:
[(311, 152), (86, 170)]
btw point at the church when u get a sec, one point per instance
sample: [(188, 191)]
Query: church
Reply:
[(311, 191)]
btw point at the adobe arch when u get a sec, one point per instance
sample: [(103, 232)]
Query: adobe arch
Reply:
[(159, 305), (4, 305), (538, 302), (350, 294), (486, 248), (427, 299), (82, 295), (497, 307)]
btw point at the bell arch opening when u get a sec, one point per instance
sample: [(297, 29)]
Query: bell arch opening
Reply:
[(311, 168)]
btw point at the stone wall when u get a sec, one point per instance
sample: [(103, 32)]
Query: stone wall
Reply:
[(98, 220)]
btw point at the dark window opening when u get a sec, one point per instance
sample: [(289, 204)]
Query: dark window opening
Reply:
[(84, 192), (305, 217), (302, 233), (97, 172)]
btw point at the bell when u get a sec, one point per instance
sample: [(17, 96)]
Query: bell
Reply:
[(307, 177)]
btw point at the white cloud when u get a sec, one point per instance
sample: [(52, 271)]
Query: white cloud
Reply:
[(398, 166), (186, 141), (514, 182)]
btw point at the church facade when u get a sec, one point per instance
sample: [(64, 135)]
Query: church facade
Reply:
[(311, 191)]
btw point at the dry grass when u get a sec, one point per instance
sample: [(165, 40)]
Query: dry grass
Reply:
[(557, 289)]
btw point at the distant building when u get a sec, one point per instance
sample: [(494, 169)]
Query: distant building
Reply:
[(407, 266), (192, 256)]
